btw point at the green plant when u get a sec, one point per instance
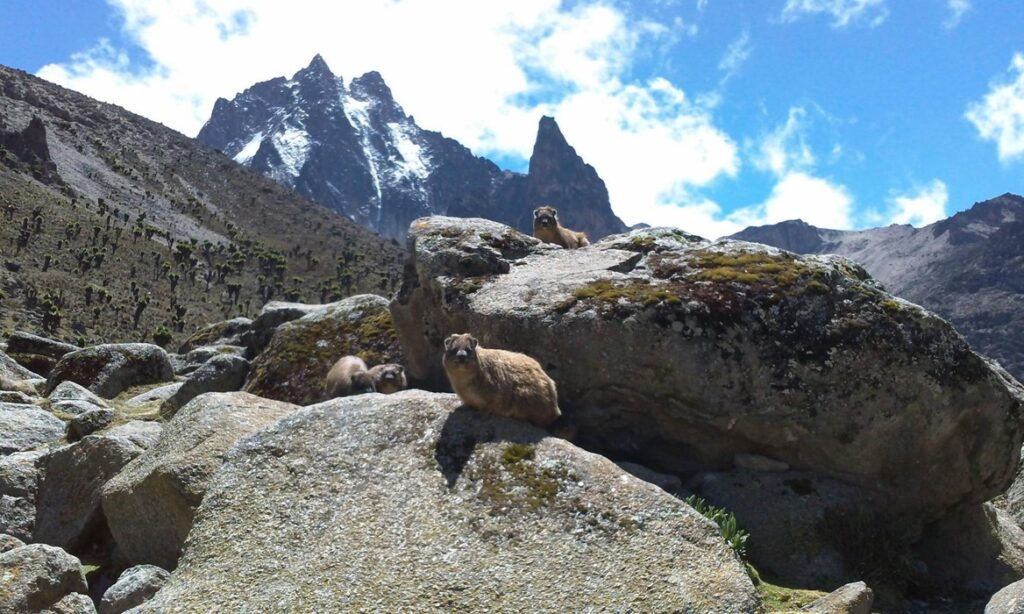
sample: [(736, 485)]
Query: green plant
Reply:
[(734, 536)]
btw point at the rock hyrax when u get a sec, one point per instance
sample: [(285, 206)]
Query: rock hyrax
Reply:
[(547, 229), (499, 382), (388, 378), (348, 376), (13, 385)]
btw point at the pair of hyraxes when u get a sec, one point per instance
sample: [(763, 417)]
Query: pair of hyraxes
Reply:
[(351, 376)]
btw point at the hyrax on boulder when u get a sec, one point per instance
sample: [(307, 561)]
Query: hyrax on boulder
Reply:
[(348, 376), (504, 383), (547, 229), (388, 378)]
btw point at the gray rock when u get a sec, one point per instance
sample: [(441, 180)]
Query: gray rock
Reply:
[(72, 407), (10, 368), (480, 513), (134, 587), (1009, 600), (137, 432), (75, 603), (664, 481), (228, 332), (89, 422), (23, 427), (222, 373), (273, 315), (853, 598), (756, 462), (294, 365), (37, 576), (68, 509), (801, 526), (20, 342), (14, 396), (70, 391), (156, 394), (802, 360), (150, 505), (108, 369), (188, 363), (9, 542), (978, 549), (19, 482)]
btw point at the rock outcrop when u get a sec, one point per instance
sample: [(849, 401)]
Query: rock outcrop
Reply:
[(478, 513), (19, 482), (150, 505), (108, 369), (293, 367), (23, 427), (36, 577), (223, 373), (683, 353)]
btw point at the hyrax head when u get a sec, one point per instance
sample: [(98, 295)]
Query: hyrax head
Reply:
[(545, 217), (362, 383), (392, 373), (460, 348)]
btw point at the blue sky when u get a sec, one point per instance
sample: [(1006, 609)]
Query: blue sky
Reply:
[(706, 114)]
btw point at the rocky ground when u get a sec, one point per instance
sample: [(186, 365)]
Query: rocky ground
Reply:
[(743, 430)]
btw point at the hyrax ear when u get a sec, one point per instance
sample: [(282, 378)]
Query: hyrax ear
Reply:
[(401, 369), (449, 341), (536, 212), (473, 342)]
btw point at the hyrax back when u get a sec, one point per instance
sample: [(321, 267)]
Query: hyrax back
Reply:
[(348, 376), (388, 378), (500, 382), (547, 229)]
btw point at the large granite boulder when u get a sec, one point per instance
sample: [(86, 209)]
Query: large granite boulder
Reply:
[(23, 427), (35, 577), (19, 482), (108, 369), (1009, 600), (38, 354), (223, 373), (150, 505), (683, 353), (68, 505), (294, 365), (228, 332), (273, 315), (410, 502)]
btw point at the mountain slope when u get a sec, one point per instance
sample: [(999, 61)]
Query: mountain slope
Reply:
[(354, 149), (968, 268), (115, 226)]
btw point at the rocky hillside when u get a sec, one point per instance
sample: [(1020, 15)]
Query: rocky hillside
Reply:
[(968, 268), (742, 430), (117, 228), (352, 148)]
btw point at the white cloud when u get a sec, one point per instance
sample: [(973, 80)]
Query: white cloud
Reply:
[(786, 148), (480, 72), (920, 208), (957, 8), (843, 12), (999, 116), (735, 55), (799, 195)]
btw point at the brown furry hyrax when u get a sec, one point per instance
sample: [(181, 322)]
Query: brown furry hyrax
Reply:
[(388, 378), (547, 229), (348, 376), (13, 385), (499, 382)]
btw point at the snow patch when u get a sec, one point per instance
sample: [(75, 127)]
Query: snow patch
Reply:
[(293, 147), (250, 149), (358, 114), (412, 162)]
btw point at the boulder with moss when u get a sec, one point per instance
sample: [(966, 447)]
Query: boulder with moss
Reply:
[(150, 505), (273, 315), (223, 373), (479, 513), (683, 353), (228, 332), (293, 367), (109, 369)]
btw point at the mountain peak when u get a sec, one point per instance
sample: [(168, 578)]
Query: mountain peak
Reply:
[(319, 65), (372, 84)]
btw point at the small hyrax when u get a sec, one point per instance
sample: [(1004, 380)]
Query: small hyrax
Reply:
[(348, 376), (547, 229), (388, 378), (500, 382)]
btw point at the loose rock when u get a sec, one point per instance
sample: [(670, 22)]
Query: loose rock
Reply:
[(108, 369)]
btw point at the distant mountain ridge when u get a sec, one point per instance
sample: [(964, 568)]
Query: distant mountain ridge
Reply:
[(968, 268), (355, 150)]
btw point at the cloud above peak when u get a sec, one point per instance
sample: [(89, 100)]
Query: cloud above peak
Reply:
[(999, 116)]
